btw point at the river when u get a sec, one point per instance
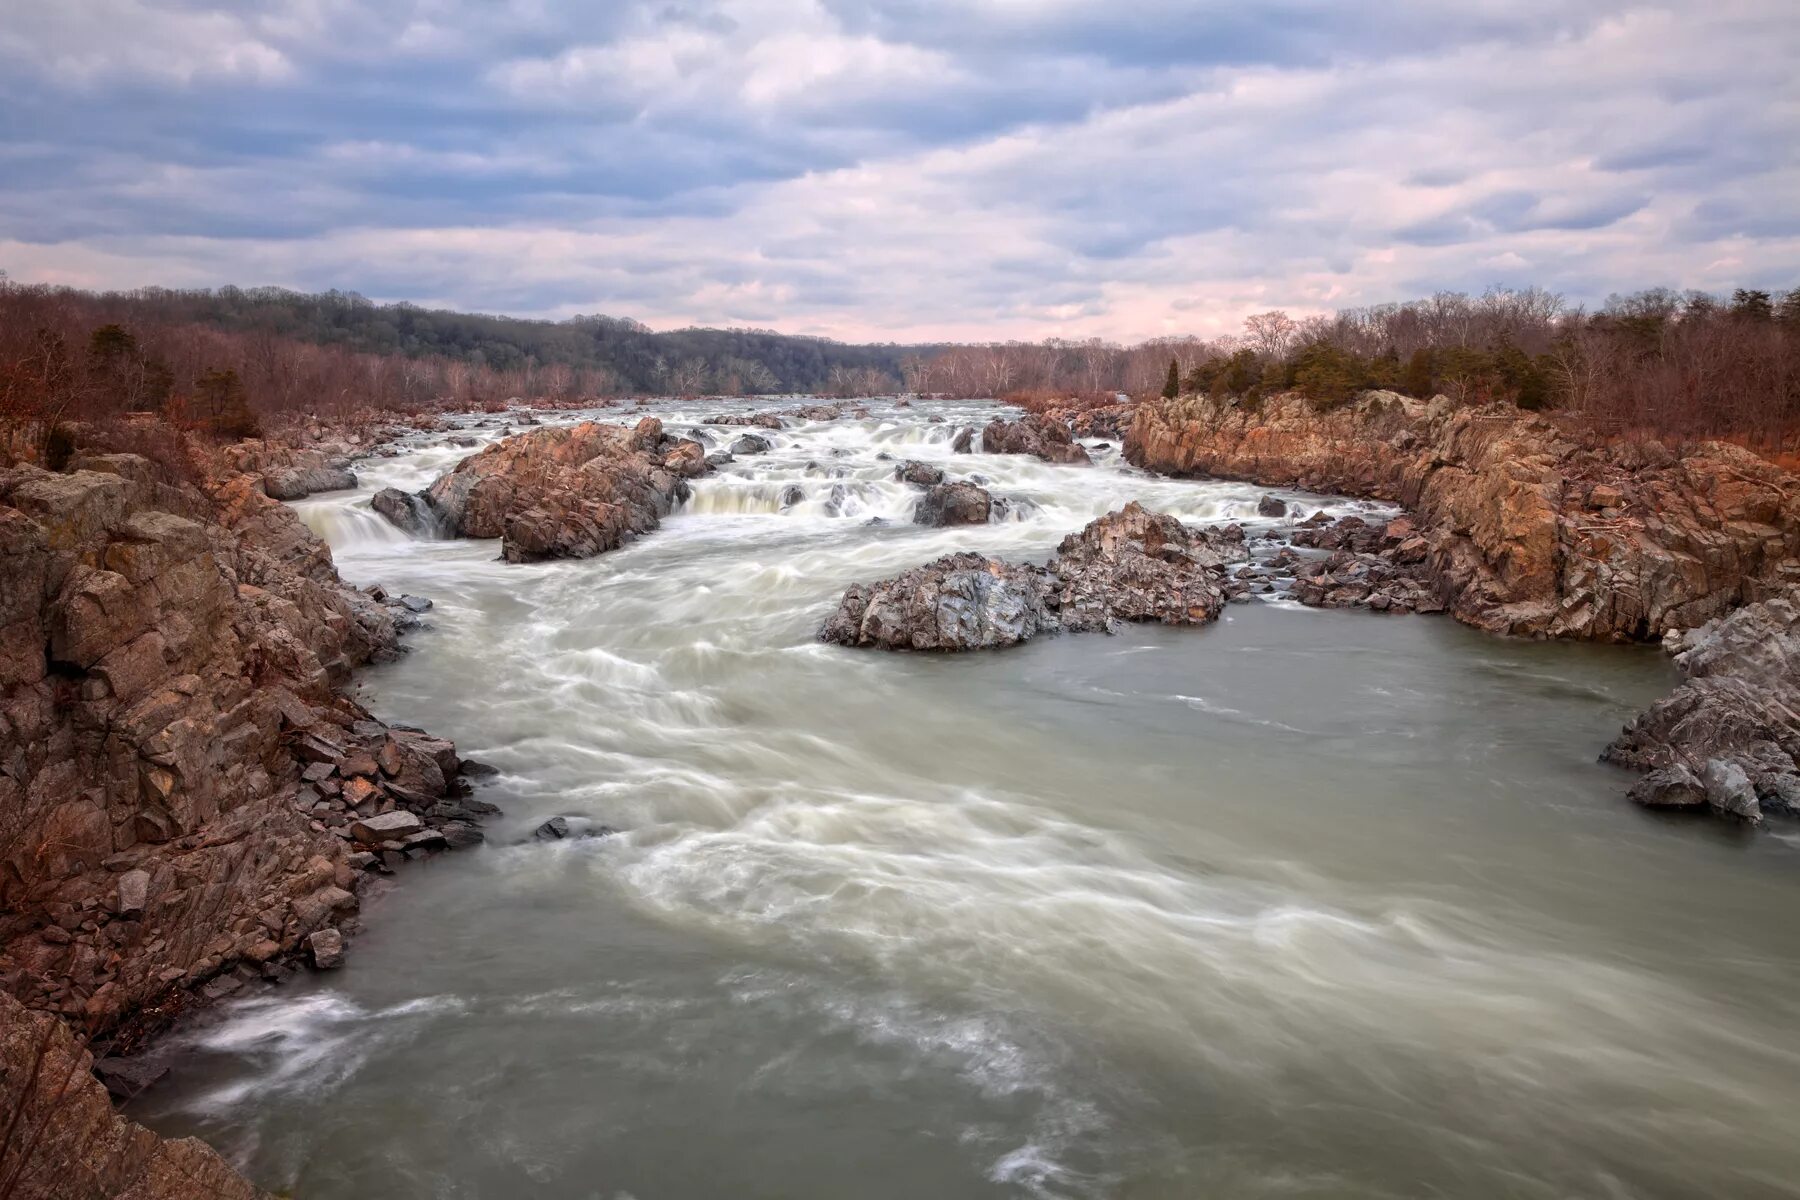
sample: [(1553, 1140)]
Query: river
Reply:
[(1301, 904)]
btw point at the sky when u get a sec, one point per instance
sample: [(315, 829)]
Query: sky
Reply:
[(903, 169)]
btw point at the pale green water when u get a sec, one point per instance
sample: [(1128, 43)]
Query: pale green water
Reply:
[(1302, 904)]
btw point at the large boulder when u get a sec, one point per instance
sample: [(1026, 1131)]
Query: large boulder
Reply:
[(567, 492), (918, 473), (1731, 730), (959, 503), (1039, 435), (1131, 565), (959, 602), (405, 511), (296, 483)]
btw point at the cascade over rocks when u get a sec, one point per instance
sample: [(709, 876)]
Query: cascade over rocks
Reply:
[(1130, 565), (406, 511), (1043, 436), (567, 491), (1527, 531)]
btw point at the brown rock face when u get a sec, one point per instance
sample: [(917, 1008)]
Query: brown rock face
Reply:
[(1527, 531), (1131, 565), (167, 666), (1043, 436), (69, 1144), (567, 492)]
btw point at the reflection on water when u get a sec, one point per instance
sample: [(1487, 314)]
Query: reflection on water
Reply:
[(1301, 904)]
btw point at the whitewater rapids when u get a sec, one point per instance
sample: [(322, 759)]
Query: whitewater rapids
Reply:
[(1304, 903)]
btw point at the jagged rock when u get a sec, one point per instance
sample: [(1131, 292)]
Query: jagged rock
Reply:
[(326, 947), (1669, 787), (915, 472), (959, 503), (1506, 504), (1728, 790), (79, 1147), (1271, 506), (134, 893), (169, 659), (765, 420), (126, 1077), (959, 602), (415, 604), (298, 483), (405, 511), (1131, 565), (1735, 719), (750, 443), (964, 442), (718, 459), (385, 827), (1038, 435), (553, 830), (1139, 565), (567, 492)]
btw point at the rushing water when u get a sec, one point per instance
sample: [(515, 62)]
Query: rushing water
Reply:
[(1324, 904)]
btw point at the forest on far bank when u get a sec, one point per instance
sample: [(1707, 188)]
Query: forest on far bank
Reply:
[(223, 362)]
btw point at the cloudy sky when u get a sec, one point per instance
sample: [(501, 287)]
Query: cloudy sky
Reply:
[(903, 168)]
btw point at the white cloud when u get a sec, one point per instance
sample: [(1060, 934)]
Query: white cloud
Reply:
[(87, 42), (899, 187)]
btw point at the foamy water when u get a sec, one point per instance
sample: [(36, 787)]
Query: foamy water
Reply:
[(1301, 904)]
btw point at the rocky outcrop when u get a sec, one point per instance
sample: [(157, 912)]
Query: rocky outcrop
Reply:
[(919, 474), (406, 511), (1106, 421), (762, 420), (291, 472), (1728, 738), (1528, 530), (1131, 565), (176, 768), (567, 491), (1379, 567), (1042, 436), (67, 1142), (959, 602), (959, 503)]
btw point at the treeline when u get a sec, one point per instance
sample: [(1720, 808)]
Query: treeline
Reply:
[(471, 356), (227, 361), (1686, 365)]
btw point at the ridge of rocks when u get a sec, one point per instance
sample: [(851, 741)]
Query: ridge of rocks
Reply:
[(1528, 531), (1130, 565)]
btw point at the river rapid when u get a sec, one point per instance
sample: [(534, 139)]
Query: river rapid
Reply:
[(1301, 904)]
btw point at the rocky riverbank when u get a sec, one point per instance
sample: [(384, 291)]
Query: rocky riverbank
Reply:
[(189, 805), (1527, 530), (69, 1144), (1518, 527), (1728, 738)]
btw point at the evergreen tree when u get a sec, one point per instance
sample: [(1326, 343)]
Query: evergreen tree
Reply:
[(1172, 386)]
